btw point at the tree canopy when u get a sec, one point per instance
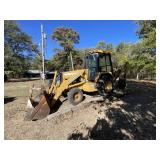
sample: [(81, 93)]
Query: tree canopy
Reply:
[(102, 45), (18, 48), (66, 37), (147, 33), (140, 56)]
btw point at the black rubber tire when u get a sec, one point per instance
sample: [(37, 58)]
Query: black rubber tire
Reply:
[(71, 95), (101, 84)]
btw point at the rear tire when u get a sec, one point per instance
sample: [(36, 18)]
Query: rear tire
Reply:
[(75, 96), (101, 85)]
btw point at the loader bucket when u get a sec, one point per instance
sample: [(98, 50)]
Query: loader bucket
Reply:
[(41, 110)]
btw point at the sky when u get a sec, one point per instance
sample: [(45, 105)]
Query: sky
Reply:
[(90, 31)]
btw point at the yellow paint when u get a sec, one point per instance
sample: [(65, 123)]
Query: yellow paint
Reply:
[(100, 51), (88, 87), (69, 80), (108, 86)]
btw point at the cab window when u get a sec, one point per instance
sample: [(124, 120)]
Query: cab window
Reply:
[(104, 63)]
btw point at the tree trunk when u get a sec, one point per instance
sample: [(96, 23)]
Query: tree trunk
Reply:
[(71, 60), (137, 76)]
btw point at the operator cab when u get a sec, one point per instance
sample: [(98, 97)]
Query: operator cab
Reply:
[(98, 62)]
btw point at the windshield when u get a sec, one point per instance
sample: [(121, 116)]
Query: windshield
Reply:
[(92, 61)]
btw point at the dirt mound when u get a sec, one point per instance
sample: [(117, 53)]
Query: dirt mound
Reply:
[(130, 117)]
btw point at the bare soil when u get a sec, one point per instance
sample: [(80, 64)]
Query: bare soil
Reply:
[(132, 116)]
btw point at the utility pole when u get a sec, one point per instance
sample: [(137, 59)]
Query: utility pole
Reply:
[(43, 37)]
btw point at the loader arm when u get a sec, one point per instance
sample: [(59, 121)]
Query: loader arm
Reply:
[(48, 99), (65, 85)]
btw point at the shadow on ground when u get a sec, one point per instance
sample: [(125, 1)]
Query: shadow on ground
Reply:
[(135, 119), (9, 99)]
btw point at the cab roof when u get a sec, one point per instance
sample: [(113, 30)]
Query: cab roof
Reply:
[(99, 51)]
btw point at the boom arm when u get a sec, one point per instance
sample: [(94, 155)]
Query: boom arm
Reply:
[(58, 89)]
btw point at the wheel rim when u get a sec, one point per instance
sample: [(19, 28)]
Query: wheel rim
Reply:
[(108, 86), (77, 97)]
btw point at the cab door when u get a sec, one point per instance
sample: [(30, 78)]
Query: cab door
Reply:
[(92, 66)]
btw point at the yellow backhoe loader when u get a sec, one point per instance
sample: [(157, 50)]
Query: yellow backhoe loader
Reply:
[(97, 76)]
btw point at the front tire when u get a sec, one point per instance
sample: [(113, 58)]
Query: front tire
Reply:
[(75, 96)]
